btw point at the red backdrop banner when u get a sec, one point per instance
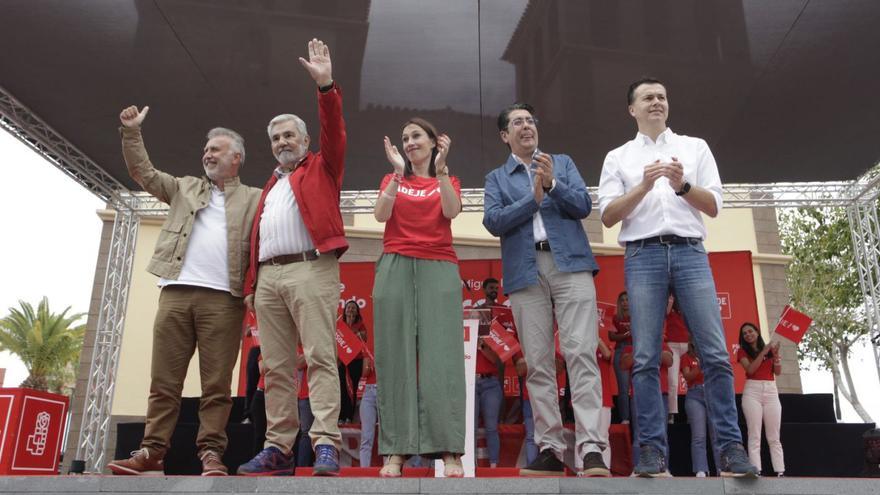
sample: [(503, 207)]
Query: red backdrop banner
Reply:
[(734, 283)]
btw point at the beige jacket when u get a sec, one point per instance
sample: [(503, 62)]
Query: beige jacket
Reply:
[(186, 196)]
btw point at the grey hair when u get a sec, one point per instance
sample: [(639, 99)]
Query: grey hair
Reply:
[(237, 141), (288, 117)]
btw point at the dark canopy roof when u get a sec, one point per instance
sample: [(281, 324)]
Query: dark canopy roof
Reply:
[(782, 90)]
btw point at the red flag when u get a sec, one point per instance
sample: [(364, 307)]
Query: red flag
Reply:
[(501, 341), (348, 345), (503, 315), (793, 324), (606, 315)]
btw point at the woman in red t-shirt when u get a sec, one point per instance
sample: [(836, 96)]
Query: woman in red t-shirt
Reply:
[(417, 306), (760, 399), (677, 336), (350, 375), (697, 412), (621, 335)]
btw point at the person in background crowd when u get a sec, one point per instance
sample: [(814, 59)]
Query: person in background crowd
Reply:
[(293, 281), (488, 391), (697, 411), (305, 456), (604, 358), (760, 399), (200, 261), (417, 306), (350, 375), (677, 336), (369, 411), (621, 334), (535, 203), (627, 361), (658, 185)]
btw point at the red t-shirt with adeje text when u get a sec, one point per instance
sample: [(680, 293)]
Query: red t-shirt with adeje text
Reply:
[(417, 227), (764, 371)]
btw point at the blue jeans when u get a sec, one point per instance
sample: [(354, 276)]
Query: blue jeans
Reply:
[(529, 424), (651, 272), (369, 414), (622, 384), (695, 406), (488, 402), (304, 452)]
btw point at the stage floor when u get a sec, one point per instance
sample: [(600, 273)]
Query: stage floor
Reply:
[(195, 485)]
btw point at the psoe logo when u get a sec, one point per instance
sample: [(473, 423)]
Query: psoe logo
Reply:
[(36, 443), (724, 305)]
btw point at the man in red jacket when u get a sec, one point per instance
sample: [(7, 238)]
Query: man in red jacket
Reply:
[(293, 282)]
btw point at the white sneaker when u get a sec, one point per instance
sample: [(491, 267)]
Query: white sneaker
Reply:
[(701, 474)]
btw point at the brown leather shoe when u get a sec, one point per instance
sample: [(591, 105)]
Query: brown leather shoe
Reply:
[(212, 464), (140, 463)]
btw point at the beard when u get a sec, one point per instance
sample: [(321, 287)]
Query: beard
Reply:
[(291, 157)]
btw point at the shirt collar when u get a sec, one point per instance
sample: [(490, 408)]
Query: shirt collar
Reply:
[(663, 138), (513, 163), (279, 173)]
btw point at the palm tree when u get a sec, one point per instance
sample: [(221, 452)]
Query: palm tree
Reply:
[(46, 342)]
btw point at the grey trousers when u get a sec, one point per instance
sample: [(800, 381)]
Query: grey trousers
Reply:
[(574, 296)]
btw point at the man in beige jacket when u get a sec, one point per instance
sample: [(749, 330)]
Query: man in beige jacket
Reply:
[(201, 258)]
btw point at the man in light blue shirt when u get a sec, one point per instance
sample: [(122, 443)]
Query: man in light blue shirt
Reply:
[(535, 203)]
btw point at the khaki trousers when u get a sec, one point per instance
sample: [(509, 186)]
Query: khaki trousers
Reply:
[(574, 296), (188, 318), (297, 302)]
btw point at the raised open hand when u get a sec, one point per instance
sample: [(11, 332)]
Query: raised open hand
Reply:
[(443, 144), (132, 117), (318, 64), (394, 156)]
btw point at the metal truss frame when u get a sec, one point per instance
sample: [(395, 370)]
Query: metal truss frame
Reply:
[(858, 196)]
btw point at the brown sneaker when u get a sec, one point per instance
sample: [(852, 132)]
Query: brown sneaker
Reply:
[(140, 463), (212, 465)]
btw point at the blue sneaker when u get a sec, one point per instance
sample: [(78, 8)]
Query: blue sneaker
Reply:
[(735, 463), (326, 461), (269, 462), (652, 464)]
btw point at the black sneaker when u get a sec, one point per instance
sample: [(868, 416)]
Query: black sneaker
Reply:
[(546, 464), (735, 463), (594, 466), (652, 464)]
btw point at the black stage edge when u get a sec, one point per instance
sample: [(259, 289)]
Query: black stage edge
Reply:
[(814, 444)]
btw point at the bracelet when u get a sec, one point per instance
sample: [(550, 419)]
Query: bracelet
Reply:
[(443, 173)]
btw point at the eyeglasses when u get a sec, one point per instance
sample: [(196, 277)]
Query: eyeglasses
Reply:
[(524, 120)]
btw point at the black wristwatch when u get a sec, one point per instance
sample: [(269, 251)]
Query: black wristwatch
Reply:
[(684, 189)]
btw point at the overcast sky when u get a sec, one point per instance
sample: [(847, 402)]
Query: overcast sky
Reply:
[(51, 235)]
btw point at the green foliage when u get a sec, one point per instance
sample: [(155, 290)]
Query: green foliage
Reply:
[(48, 343), (824, 282)]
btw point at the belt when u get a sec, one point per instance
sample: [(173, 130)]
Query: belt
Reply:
[(665, 239), (542, 246), (286, 259)]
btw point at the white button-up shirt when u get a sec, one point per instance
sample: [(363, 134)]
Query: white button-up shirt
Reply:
[(660, 211), (282, 230), (538, 229)]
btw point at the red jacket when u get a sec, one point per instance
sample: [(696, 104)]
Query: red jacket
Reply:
[(316, 184)]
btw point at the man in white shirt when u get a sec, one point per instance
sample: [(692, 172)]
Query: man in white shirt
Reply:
[(201, 256), (659, 184)]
